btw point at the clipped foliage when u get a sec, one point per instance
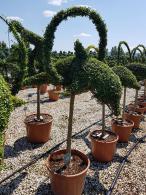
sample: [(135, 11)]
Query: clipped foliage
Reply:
[(17, 102), (119, 49), (139, 70), (90, 74), (23, 58), (126, 77), (49, 35), (133, 54), (6, 104)]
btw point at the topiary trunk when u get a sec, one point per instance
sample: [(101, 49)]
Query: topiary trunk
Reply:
[(136, 97), (38, 103), (124, 103), (103, 120), (67, 157)]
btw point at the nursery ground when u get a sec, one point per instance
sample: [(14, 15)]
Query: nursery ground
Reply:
[(35, 181)]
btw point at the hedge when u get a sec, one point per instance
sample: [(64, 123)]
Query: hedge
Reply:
[(6, 104)]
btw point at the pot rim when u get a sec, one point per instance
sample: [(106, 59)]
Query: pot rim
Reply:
[(138, 114), (36, 122), (101, 141), (54, 90), (131, 125), (68, 176)]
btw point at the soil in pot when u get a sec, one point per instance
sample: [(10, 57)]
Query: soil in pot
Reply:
[(122, 128), (54, 95), (103, 148), (135, 117), (38, 131), (43, 88), (67, 180)]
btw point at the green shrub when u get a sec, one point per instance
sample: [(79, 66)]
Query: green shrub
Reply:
[(17, 101), (6, 105), (127, 78), (139, 70)]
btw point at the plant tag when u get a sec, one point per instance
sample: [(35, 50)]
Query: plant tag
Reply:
[(104, 137), (67, 158), (97, 135)]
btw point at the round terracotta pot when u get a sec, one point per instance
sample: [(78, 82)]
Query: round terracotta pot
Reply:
[(135, 118), (38, 132), (43, 88), (123, 132), (139, 108), (103, 151), (58, 87), (68, 184), (53, 94)]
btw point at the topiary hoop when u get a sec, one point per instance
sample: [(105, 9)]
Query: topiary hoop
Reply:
[(49, 35)]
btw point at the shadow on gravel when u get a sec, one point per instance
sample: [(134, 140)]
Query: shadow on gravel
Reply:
[(20, 145), (8, 188), (44, 189), (93, 185), (122, 145)]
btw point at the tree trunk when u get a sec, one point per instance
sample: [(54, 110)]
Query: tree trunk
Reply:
[(38, 103), (103, 120), (69, 135), (124, 103), (144, 89), (136, 97)]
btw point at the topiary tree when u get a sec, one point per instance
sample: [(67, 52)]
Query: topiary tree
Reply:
[(128, 80), (81, 73), (128, 49), (139, 70), (23, 58)]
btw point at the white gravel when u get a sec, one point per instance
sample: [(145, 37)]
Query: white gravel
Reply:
[(34, 180)]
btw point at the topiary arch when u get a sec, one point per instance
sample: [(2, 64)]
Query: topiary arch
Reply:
[(63, 15), (92, 47), (23, 56), (128, 48), (133, 53)]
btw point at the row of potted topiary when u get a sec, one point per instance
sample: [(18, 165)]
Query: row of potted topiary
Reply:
[(78, 73)]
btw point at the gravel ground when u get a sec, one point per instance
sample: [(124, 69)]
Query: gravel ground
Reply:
[(34, 180)]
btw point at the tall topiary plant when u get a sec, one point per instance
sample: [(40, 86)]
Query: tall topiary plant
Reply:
[(80, 73), (23, 58)]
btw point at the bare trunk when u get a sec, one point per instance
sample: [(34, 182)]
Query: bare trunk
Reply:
[(69, 135), (103, 119), (38, 103), (124, 103), (136, 97), (144, 89)]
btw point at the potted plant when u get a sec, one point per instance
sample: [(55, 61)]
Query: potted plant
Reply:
[(79, 73), (119, 125), (139, 70), (38, 126)]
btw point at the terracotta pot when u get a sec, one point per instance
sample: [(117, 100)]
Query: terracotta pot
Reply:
[(139, 108), (53, 94), (103, 151), (38, 132), (68, 184), (43, 88), (58, 87), (135, 118), (123, 132)]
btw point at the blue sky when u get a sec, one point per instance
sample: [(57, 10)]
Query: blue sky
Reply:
[(125, 20)]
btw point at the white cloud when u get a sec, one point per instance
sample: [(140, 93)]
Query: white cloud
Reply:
[(87, 6), (15, 18), (48, 13), (57, 2), (83, 35)]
